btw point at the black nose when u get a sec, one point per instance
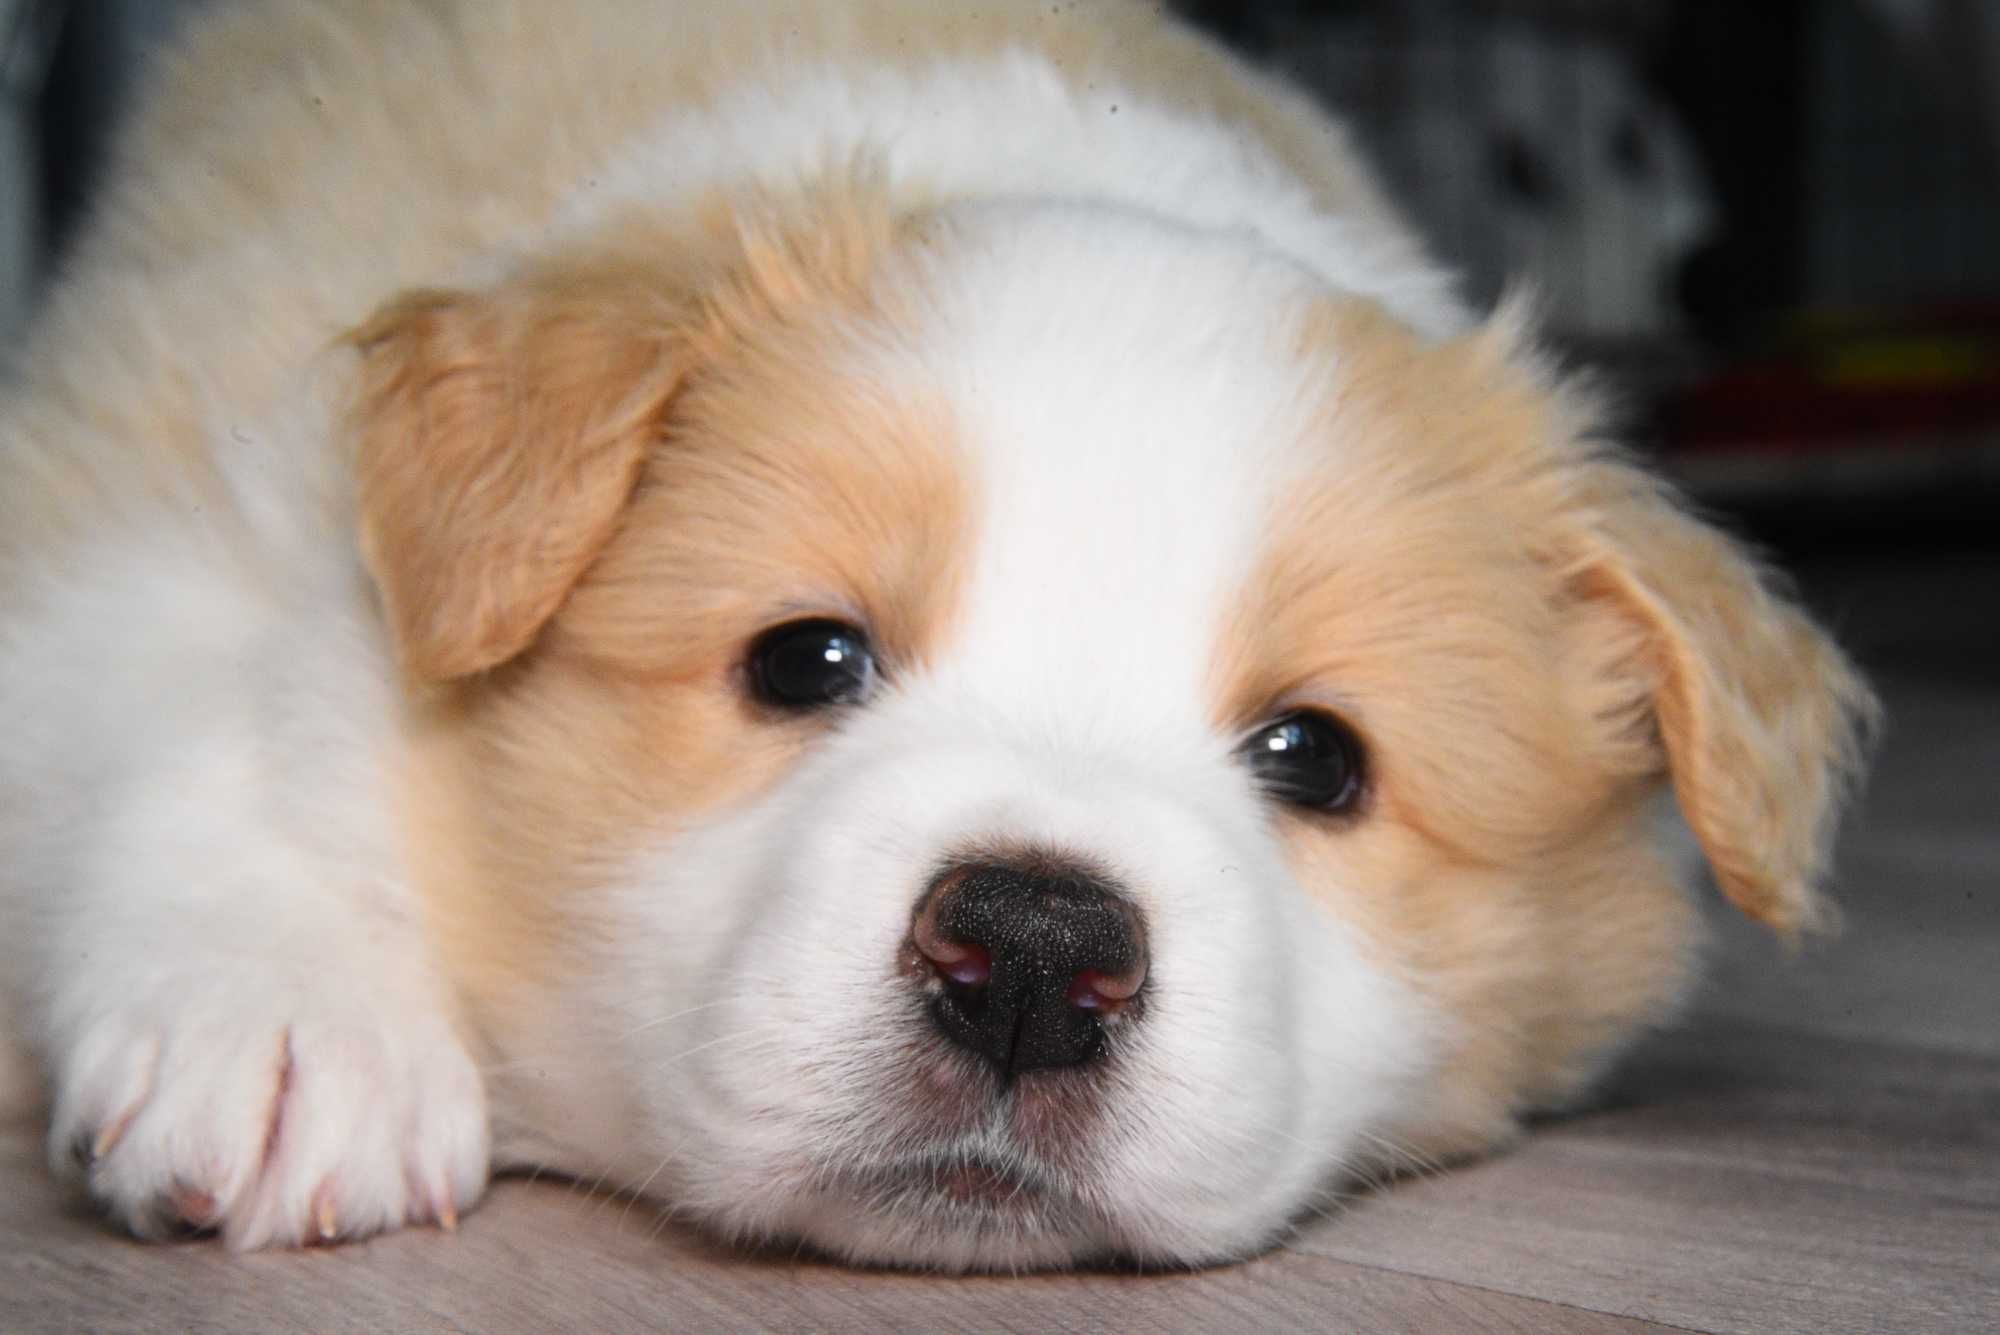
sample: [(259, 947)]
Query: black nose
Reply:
[(1034, 959)]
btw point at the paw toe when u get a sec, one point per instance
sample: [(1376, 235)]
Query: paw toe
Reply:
[(305, 1134)]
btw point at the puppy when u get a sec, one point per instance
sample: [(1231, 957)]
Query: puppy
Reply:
[(918, 629)]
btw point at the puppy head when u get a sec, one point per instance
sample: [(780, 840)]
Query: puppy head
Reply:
[(1015, 734)]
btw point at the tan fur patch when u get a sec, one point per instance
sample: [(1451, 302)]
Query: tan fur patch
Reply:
[(1530, 637), (498, 434), (497, 439), (776, 486), (1762, 719)]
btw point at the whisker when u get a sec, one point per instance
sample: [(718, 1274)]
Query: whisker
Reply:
[(644, 1025), (640, 1190)]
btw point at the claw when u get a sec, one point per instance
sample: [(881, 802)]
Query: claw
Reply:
[(323, 1217), (446, 1212), (278, 1097), (110, 1134), (89, 1152)]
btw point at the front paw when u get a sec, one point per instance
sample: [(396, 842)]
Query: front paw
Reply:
[(274, 1124)]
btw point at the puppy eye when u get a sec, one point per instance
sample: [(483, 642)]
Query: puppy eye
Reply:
[(812, 664), (1308, 759)]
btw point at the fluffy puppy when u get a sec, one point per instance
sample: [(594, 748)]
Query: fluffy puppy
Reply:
[(917, 628)]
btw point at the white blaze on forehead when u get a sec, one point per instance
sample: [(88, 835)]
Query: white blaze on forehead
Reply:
[(1127, 401)]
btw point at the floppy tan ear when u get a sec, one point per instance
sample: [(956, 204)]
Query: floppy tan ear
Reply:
[(497, 437), (1760, 719)]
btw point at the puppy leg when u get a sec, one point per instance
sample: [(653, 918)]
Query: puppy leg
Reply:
[(229, 981)]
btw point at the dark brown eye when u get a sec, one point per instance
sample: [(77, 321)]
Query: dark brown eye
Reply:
[(812, 664), (1308, 759)]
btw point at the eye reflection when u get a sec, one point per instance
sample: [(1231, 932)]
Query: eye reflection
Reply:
[(1308, 759), (812, 664)]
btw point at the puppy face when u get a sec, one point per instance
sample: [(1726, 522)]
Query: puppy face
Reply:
[(1021, 734)]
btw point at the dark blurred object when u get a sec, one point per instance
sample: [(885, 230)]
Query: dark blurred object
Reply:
[(68, 72), (1929, 374), (1738, 76), (99, 60), (1880, 427), (1851, 311), (27, 34)]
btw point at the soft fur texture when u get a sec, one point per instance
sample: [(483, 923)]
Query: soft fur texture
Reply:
[(447, 394)]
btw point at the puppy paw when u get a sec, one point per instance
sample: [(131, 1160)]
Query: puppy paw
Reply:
[(274, 1125)]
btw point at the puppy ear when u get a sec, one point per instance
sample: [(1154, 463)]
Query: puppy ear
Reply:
[(1760, 720), (497, 438)]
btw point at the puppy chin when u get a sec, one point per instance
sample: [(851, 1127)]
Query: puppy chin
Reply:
[(945, 1211), (912, 1187), (978, 1206)]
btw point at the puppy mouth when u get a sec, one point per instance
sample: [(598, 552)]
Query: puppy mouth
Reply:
[(946, 1209), (969, 1183)]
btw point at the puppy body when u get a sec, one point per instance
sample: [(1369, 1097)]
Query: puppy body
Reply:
[(422, 435)]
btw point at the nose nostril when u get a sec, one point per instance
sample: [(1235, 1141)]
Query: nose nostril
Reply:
[(970, 966), (1093, 990), (1083, 993), (963, 962)]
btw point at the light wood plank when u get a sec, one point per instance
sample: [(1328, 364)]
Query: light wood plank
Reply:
[(1736, 1180)]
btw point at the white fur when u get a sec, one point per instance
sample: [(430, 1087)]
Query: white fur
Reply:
[(205, 876)]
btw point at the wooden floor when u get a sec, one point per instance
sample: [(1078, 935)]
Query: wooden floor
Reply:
[(1817, 1149)]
